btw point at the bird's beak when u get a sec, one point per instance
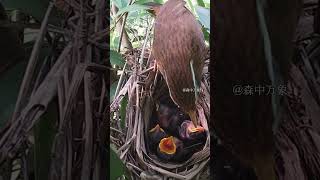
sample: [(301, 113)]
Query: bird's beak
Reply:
[(167, 145), (156, 128), (193, 117)]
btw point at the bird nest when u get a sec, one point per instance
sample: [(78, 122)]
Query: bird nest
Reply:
[(138, 89)]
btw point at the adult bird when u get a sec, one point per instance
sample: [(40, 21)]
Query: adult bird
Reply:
[(179, 50), (252, 46)]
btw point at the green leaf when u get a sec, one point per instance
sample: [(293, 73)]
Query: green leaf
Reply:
[(204, 16), (117, 168), (201, 3), (113, 90), (9, 84), (190, 4), (145, 1), (206, 34), (159, 1), (123, 110), (120, 3), (116, 59), (114, 40), (44, 133), (130, 8)]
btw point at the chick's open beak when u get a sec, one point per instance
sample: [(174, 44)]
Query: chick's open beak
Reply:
[(156, 128), (167, 145)]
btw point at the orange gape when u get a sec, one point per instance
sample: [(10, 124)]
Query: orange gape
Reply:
[(178, 42), (167, 145), (244, 122)]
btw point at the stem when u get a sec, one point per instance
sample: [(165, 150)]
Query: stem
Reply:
[(32, 63)]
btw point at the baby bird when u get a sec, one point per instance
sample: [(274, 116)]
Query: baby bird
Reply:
[(174, 150), (167, 148), (155, 135), (170, 118), (191, 134)]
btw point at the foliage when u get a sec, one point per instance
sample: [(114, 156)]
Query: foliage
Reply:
[(117, 168), (116, 59)]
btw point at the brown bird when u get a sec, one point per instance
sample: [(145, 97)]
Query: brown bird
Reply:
[(247, 34), (179, 49)]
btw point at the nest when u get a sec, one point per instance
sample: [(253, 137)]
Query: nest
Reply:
[(130, 139)]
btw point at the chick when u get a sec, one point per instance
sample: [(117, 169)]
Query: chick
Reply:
[(169, 118), (167, 148), (172, 149), (190, 134), (155, 135)]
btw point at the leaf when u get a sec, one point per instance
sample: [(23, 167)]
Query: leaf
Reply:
[(201, 3), (145, 1), (117, 168), (206, 34), (44, 133), (123, 110), (30, 35), (113, 90), (120, 3), (9, 84), (130, 8), (116, 59), (204, 16), (190, 4), (114, 40)]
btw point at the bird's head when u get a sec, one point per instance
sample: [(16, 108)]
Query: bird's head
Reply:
[(188, 131)]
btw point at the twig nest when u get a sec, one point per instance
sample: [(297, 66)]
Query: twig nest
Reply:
[(169, 155)]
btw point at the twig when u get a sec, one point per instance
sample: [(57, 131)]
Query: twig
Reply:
[(32, 64), (88, 135), (121, 79), (122, 26), (145, 44)]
